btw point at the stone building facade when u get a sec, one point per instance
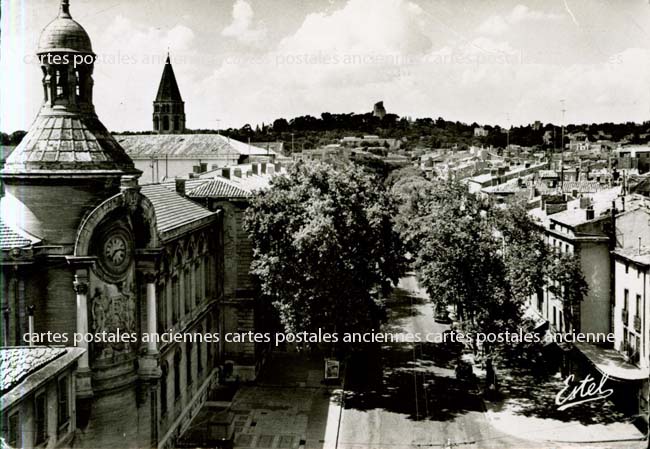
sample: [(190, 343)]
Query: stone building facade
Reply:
[(94, 253)]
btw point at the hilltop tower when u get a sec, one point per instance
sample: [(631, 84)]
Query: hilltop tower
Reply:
[(168, 107)]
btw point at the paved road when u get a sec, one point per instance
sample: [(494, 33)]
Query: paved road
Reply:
[(406, 395)]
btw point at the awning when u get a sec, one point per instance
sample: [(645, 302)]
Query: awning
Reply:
[(612, 363)]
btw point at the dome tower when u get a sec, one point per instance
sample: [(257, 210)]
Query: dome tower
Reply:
[(68, 161)]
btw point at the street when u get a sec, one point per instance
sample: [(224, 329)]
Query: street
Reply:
[(402, 395), (406, 395)]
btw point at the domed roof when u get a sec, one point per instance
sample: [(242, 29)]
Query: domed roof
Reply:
[(64, 34)]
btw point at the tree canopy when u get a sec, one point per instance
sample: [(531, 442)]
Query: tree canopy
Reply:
[(325, 248)]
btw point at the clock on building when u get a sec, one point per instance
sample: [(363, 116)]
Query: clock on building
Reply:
[(115, 253)]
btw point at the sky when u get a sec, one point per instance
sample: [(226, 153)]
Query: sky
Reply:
[(252, 61)]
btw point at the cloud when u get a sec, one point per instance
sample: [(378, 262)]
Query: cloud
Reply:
[(241, 27), (497, 24), (131, 59)]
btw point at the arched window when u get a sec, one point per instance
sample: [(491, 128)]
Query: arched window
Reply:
[(176, 123), (188, 363), (199, 355), (164, 368), (176, 299), (166, 123), (60, 83), (177, 373), (156, 122)]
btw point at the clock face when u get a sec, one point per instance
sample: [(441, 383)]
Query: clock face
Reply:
[(115, 254), (115, 250)]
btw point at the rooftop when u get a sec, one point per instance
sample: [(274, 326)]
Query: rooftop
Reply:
[(17, 363), (173, 210), (60, 141), (14, 238), (64, 34), (180, 146), (26, 368), (168, 87), (639, 255)]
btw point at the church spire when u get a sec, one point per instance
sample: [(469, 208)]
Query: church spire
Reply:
[(168, 107)]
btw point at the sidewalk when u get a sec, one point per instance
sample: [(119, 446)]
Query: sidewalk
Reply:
[(526, 409), (288, 407)]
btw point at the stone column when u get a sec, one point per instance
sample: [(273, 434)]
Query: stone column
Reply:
[(149, 367), (84, 387), (150, 279)]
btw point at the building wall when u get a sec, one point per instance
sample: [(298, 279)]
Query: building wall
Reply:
[(595, 307), (168, 169), (632, 225), (634, 280), (56, 436)]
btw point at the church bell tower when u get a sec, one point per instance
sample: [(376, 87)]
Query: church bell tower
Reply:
[(168, 107)]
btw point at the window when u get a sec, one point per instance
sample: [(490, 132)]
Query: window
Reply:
[(176, 300), (627, 268), (163, 388), (13, 433), (166, 123), (177, 125), (177, 374), (626, 299), (199, 355), (59, 84), (554, 316), (188, 290), (638, 305), (188, 362), (64, 401), (198, 283), (207, 285), (40, 419)]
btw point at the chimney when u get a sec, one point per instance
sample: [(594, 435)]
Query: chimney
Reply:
[(256, 170), (263, 165), (589, 213), (237, 172), (30, 323), (225, 172), (180, 186)]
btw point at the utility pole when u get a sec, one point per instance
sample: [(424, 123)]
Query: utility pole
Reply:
[(562, 148), (218, 121), (508, 131)]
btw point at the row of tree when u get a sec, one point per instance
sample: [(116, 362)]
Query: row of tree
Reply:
[(329, 242), (311, 132), (485, 260)]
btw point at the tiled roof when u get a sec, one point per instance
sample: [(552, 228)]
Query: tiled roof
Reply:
[(172, 210), (10, 238), (215, 146), (68, 141), (218, 188), (639, 255), (18, 363)]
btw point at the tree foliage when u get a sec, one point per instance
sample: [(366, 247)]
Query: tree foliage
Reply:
[(324, 247), (484, 259)]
